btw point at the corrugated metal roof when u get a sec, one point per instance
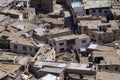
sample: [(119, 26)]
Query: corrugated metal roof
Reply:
[(39, 64)]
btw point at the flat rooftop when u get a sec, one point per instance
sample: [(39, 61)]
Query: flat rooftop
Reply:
[(24, 26), (9, 68), (58, 30), (108, 53), (90, 24), (10, 11), (102, 32), (97, 4), (56, 9), (17, 12), (102, 75), (39, 64), (89, 17), (67, 14), (17, 38), (78, 66), (50, 65), (4, 56), (17, 58), (15, 35), (54, 20), (69, 37), (105, 51)]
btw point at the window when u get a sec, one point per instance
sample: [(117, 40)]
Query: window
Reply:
[(61, 44), (100, 28), (109, 26), (105, 11), (30, 49), (94, 11), (24, 48), (61, 49), (71, 42), (84, 41), (116, 69), (54, 43), (100, 11), (15, 47), (85, 29), (106, 68), (93, 40)]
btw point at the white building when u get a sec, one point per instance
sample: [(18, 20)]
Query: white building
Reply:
[(64, 43), (78, 8), (23, 46)]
